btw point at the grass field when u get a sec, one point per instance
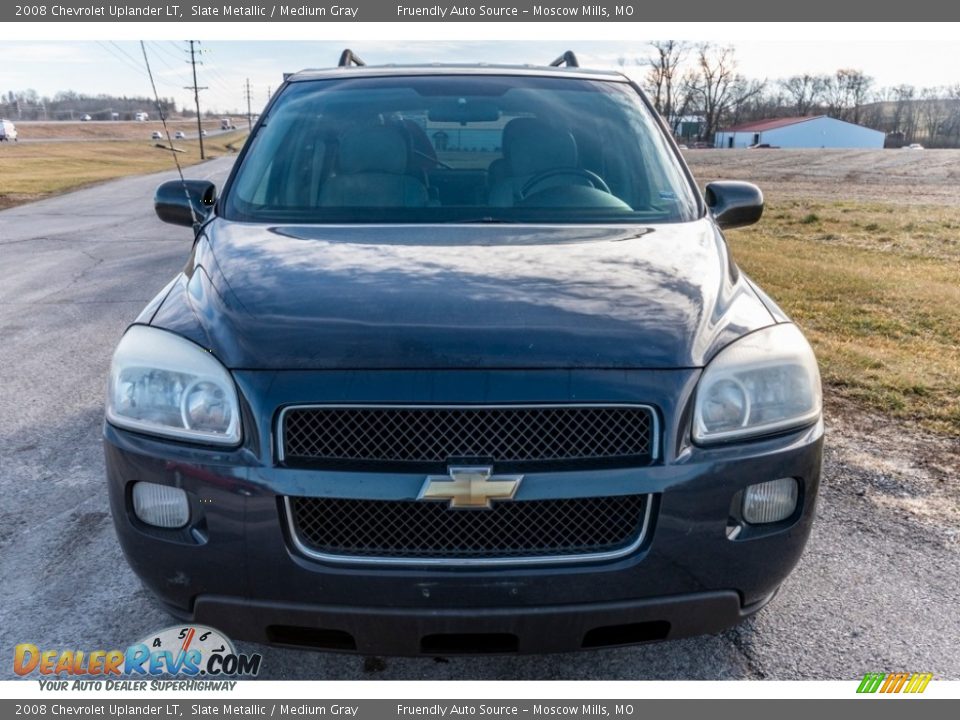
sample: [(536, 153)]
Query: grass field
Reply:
[(871, 272), (32, 171)]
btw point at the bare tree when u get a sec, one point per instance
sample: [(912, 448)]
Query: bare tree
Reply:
[(804, 91), (859, 86), (904, 111), (710, 83), (747, 101), (715, 88), (664, 65), (933, 112), (952, 124), (846, 92)]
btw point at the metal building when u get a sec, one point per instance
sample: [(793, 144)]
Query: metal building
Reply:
[(817, 131)]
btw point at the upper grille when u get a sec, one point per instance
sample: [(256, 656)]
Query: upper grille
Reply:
[(438, 434), (412, 529)]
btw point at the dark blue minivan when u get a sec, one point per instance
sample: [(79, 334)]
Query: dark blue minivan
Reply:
[(460, 363)]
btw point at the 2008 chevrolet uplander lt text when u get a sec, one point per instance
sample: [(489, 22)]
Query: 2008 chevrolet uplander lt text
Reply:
[(459, 363)]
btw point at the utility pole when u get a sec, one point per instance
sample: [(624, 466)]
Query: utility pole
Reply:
[(196, 95), (249, 114)]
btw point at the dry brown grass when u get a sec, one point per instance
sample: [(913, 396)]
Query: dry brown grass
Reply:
[(873, 278), (32, 171)]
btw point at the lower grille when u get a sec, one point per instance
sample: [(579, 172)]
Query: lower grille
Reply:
[(411, 530)]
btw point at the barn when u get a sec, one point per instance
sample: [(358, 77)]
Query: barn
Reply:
[(818, 131)]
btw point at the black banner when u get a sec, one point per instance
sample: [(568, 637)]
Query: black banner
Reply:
[(472, 11)]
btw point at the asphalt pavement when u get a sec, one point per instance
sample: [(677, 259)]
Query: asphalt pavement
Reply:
[(877, 590)]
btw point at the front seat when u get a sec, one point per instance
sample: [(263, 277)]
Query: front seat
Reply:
[(372, 172), (531, 147)]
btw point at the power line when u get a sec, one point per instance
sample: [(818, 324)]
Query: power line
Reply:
[(136, 68), (177, 72), (166, 130), (130, 62), (196, 94), (124, 53), (249, 114), (169, 54)]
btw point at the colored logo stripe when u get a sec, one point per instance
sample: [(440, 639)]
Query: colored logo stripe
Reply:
[(894, 682)]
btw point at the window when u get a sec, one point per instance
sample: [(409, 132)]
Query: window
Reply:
[(472, 148)]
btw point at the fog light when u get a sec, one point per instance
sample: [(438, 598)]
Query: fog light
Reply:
[(770, 501), (160, 505)]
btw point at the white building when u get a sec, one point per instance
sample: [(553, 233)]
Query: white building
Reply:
[(818, 131)]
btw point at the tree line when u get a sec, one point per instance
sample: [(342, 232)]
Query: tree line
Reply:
[(699, 90), (69, 105)]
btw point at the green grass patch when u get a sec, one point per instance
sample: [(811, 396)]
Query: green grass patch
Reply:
[(883, 313)]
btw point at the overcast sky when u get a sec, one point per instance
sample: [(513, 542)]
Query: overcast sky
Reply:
[(117, 66)]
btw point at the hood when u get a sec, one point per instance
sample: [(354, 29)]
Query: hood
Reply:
[(476, 296)]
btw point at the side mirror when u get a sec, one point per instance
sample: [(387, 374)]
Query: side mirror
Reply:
[(733, 203), (185, 203)]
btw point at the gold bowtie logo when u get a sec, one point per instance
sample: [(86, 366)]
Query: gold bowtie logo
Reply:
[(470, 487)]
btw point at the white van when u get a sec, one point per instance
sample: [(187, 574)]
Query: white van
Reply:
[(8, 131)]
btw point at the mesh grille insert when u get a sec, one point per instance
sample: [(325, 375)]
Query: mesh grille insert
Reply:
[(439, 434), (424, 529)]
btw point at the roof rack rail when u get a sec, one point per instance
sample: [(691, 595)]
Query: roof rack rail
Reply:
[(348, 57), (568, 59)]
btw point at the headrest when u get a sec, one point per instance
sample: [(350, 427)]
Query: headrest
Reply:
[(531, 146), (373, 149)]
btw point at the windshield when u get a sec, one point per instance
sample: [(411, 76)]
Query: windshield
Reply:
[(457, 149)]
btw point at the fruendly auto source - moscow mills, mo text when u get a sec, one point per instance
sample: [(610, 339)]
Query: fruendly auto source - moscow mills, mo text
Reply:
[(250, 11)]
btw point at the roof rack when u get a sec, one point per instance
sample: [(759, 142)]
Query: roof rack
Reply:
[(568, 59), (348, 58)]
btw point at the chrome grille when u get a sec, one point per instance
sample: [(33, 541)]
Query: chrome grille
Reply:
[(496, 434), (411, 530)]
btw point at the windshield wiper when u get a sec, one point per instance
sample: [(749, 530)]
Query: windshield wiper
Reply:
[(485, 220)]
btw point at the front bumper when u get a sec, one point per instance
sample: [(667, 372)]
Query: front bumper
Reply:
[(236, 567), (501, 630)]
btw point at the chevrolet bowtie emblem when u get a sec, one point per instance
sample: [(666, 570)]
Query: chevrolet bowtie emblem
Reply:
[(470, 487)]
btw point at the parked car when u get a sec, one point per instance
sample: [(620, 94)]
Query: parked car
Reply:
[(410, 399), (8, 131), (157, 135), (913, 146), (180, 135), (86, 118)]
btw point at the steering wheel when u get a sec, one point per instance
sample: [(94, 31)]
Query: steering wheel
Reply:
[(594, 179), (440, 163)]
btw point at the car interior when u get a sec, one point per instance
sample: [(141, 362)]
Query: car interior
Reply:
[(434, 147)]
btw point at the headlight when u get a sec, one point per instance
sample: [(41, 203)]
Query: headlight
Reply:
[(763, 383), (162, 384)]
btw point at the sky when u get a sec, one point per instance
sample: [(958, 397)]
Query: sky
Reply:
[(116, 66)]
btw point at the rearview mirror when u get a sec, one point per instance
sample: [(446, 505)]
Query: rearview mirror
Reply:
[(185, 203), (734, 204), (464, 111)]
